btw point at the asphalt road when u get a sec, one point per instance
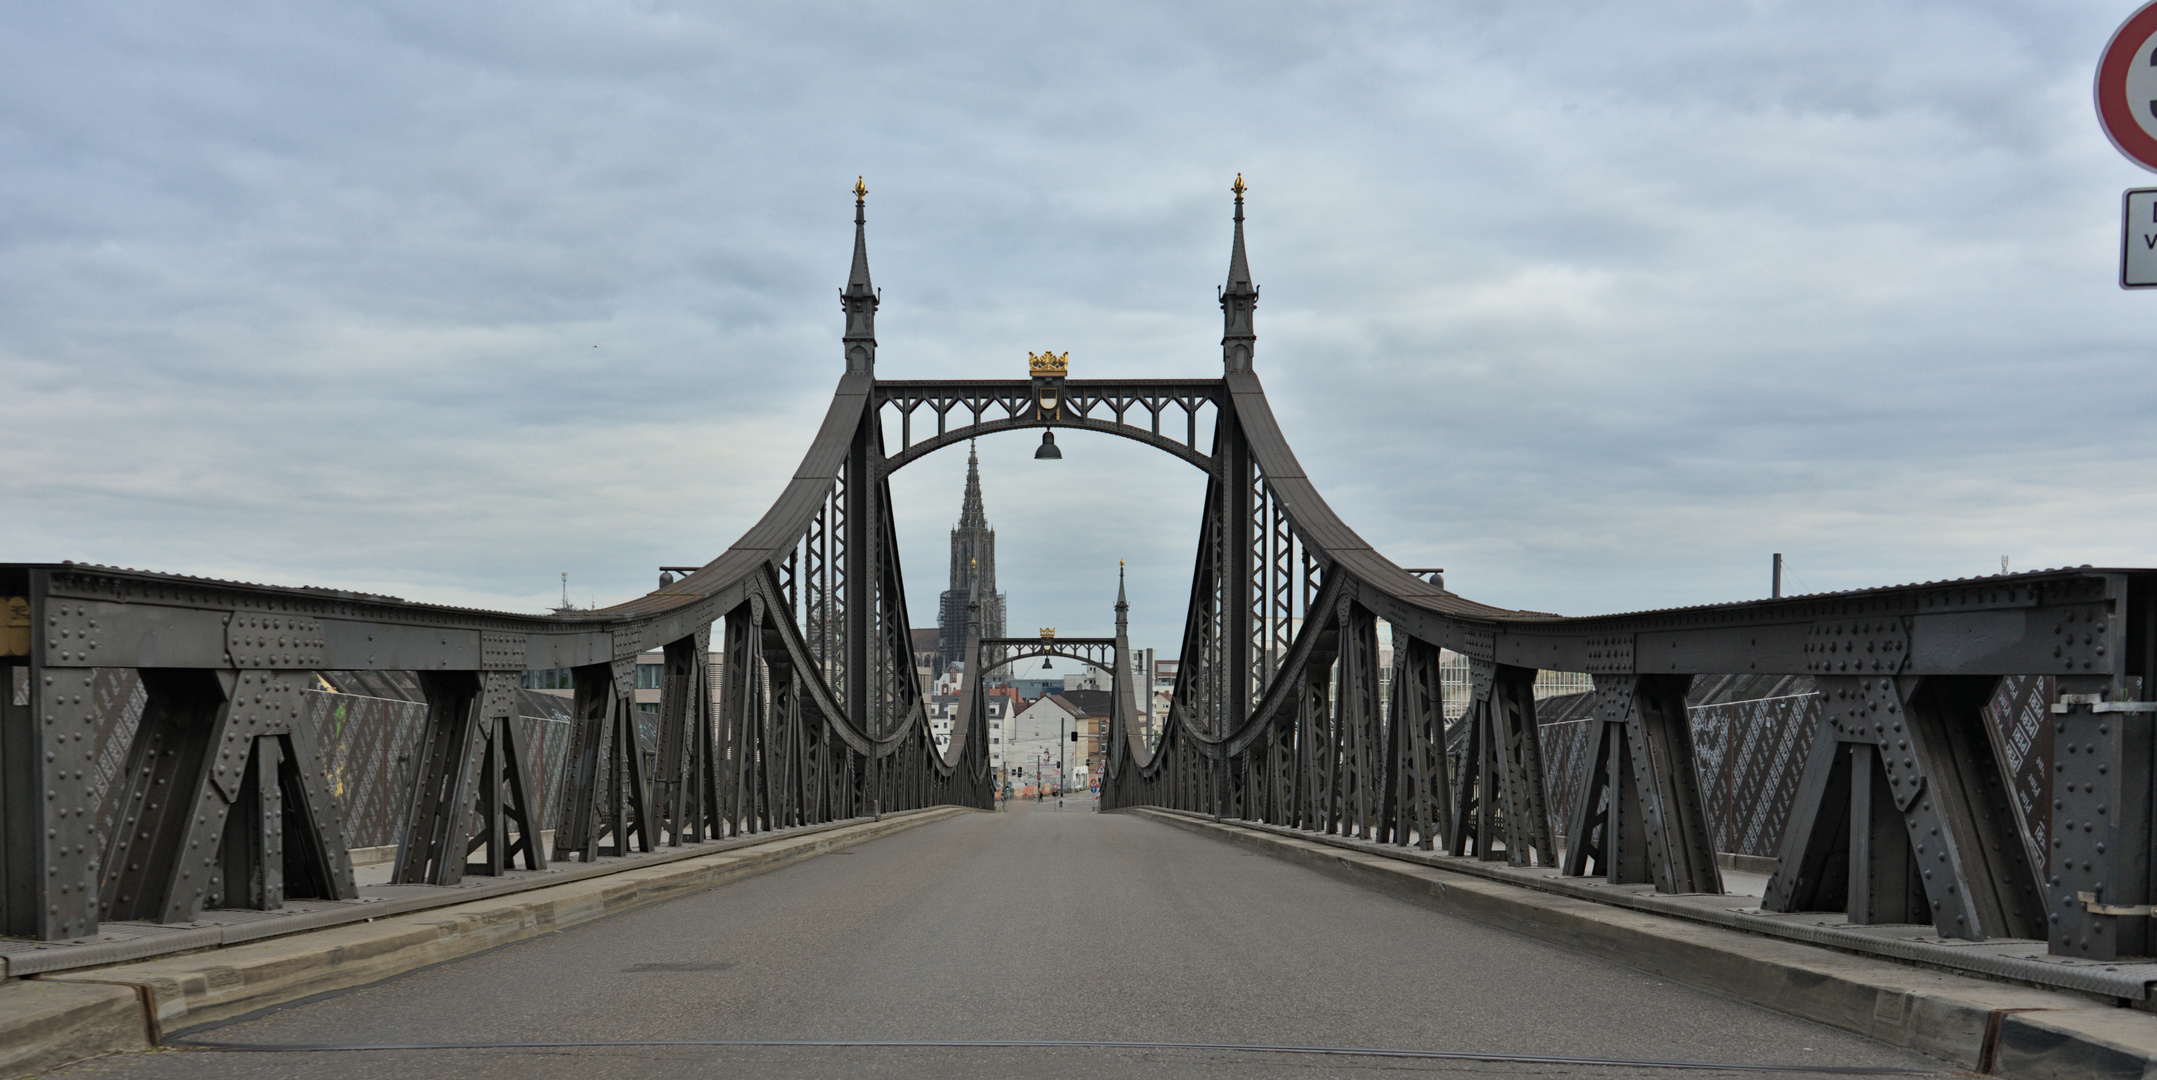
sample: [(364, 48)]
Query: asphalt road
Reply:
[(1035, 925)]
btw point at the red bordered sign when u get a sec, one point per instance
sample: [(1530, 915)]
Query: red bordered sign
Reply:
[(2127, 87)]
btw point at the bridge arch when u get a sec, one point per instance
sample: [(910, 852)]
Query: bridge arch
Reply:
[(979, 401), (1278, 714), (1099, 652)]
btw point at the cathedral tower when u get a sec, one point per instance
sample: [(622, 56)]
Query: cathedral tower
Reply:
[(973, 560)]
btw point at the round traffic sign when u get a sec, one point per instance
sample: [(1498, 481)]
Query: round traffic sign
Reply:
[(2127, 87)]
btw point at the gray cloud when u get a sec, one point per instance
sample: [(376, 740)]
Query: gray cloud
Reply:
[(1596, 305)]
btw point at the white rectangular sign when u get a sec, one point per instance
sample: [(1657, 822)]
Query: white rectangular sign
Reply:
[(2138, 239)]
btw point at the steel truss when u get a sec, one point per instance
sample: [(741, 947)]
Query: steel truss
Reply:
[(1283, 712), (224, 802), (1904, 813), (969, 409)]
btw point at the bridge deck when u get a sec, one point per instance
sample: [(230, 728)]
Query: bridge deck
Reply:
[(1037, 924)]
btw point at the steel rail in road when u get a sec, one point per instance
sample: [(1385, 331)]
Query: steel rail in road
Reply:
[(210, 1046)]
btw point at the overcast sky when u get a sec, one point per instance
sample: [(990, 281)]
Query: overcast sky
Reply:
[(1596, 305)]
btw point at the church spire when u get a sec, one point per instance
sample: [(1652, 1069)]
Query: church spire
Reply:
[(971, 513), (1238, 339), (859, 298), (972, 593)]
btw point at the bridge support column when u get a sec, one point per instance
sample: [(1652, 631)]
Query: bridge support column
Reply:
[(2099, 883), (745, 802), (1885, 883), (1606, 836), (591, 739), (683, 764), (1920, 750), (432, 849), (1640, 813), (1315, 745), (1356, 718), (1501, 798), (863, 527), (1419, 801), (606, 792), (509, 820), (628, 789), (468, 762), (1813, 871), (221, 803), (785, 767), (161, 855), (251, 856), (1240, 643), (287, 842)]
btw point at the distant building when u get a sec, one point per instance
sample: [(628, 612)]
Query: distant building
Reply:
[(973, 561), (1088, 678), (1037, 686), (950, 682), (1003, 704), (1091, 711), (1036, 752), (1042, 751), (1071, 675), (1163, 693)]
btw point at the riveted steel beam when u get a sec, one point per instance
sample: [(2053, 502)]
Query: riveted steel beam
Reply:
[(985, 406), (1640, 815)]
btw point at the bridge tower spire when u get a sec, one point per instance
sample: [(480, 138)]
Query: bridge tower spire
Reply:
[(859, 298), (1238, 339), (1123, 606)]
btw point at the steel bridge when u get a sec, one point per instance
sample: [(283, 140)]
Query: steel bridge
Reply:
[(1903, 813)]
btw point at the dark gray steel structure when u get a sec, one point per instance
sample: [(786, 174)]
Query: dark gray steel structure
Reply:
[(1903, 814)]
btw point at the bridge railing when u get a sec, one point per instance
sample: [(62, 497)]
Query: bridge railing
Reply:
[(223, 799), (1284, 710), (1905, 810)]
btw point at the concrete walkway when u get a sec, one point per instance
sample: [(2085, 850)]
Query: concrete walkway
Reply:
[(1037, 924)]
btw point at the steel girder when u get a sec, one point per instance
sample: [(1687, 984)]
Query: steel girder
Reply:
[(1905, 806), (223, 802), (467, 765), (1640, 817), (979, 403), (996, 652), (1907, 819), (219, 764), (1283, 711)]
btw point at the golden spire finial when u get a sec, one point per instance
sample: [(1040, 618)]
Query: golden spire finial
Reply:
[(861, 190), (1238, 187)]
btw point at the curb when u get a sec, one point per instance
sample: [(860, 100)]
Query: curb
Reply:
[(44, 1025), (51, 1020), (2000, 1028)]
